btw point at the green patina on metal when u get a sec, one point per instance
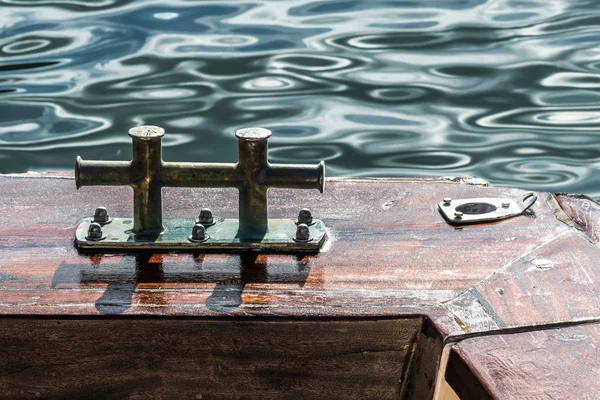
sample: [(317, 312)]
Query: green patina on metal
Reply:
[(223, 235)]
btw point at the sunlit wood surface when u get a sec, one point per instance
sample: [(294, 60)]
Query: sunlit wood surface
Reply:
[(391, 256)]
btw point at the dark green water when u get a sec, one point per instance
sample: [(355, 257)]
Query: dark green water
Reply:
[(504, 90)]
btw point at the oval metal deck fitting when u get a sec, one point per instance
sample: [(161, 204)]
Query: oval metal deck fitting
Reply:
[(471, 211)]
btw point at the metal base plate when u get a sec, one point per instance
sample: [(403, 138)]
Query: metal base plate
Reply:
[(222, 236), (484, 209)]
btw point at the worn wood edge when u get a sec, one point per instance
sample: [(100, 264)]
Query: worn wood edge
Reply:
[(465, 356), (559, 212), (453, 349), (495, 328), (562, 200), (449, 336), (443, 391), (423, 370), (461, 379)]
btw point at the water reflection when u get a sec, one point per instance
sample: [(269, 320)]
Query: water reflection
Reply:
[(504, 90)]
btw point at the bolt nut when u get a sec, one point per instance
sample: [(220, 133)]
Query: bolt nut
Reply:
[(302, 233), (458, 214), (199, 233), (447, 201), (101, 216), (505, 204), (305, 217), (95, 232), (206, 217)]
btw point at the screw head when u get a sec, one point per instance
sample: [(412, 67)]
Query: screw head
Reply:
[(302, 233), (206, 217), (95, 232), (101, 216), (305, 217), (458, 214), (505, 204), (198, 233), (447, 201)]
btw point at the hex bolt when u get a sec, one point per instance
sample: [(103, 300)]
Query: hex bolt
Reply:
[(101, 216), (305, 217), (505, 204), (206, 217), (447, 201), (95, 232), (458, 214), (302, 233), (198, 233)]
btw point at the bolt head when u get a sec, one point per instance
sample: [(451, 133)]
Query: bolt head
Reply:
[(101, 215), (447, 200), (305, 216), (94, 231), (302, 232), (458, 214), (206, 217), (198, 232)]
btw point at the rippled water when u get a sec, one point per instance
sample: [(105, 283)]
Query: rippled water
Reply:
[(504, 90)]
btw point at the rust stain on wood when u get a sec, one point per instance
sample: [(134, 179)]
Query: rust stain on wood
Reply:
[(461, 324)]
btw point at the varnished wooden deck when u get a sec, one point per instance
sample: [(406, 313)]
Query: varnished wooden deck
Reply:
[(391, 256)]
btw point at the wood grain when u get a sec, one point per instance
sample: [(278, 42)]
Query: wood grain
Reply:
[(200, 359), (555, 283), (391, 255), (583, 211), (546, 364)]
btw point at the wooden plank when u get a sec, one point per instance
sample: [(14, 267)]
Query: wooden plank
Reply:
[(583, 211), (548, 364), (391, 254), (388, 255), (200, 359), (556, 282), (425, 365)]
